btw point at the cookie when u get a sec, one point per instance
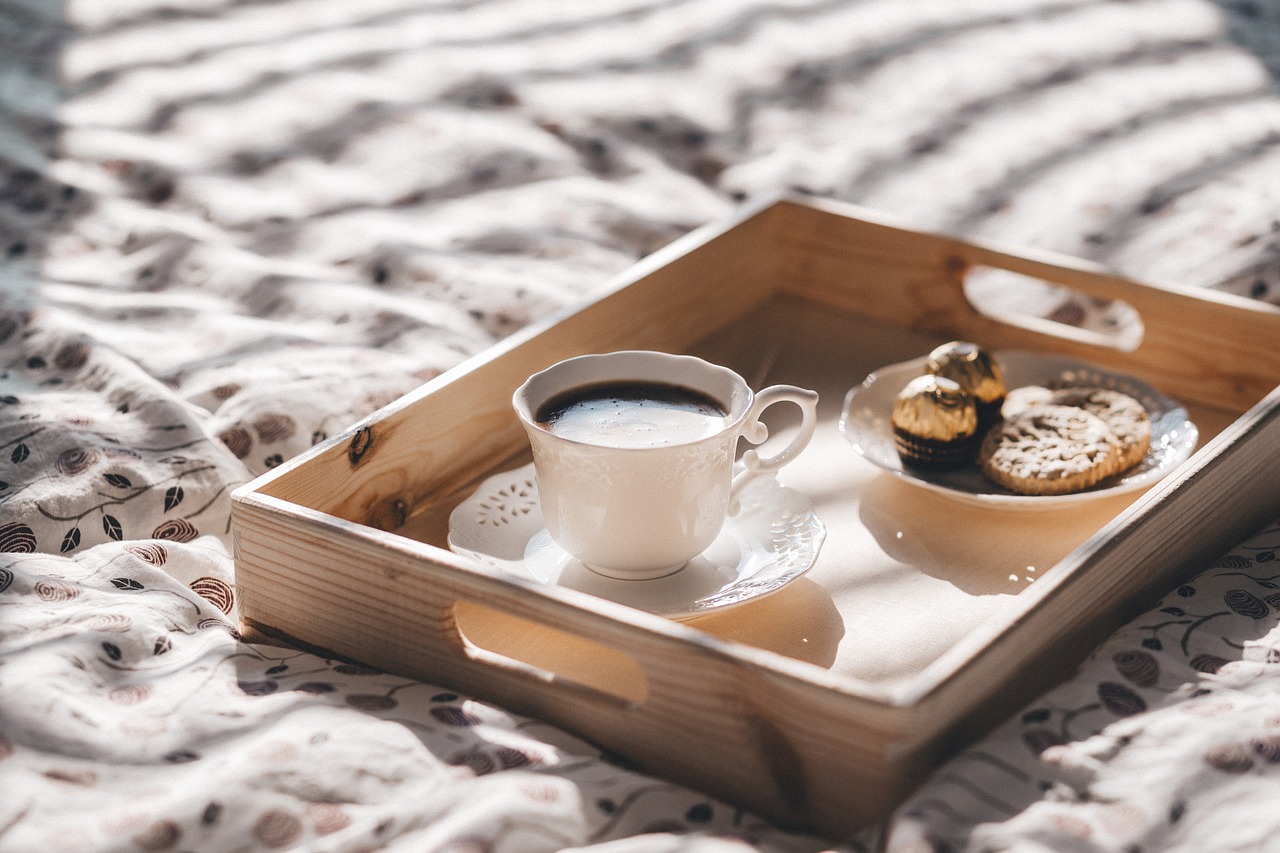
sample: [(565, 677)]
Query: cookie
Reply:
[(1050, 450), (1126, 417)]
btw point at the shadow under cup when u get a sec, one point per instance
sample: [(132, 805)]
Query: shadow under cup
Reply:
[(634, 513)]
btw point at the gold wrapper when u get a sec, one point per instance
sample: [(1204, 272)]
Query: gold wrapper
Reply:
[(936, 408), (971, 367)]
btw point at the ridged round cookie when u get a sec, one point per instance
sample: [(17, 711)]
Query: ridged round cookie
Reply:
[(1050, 450), (1126, 417)]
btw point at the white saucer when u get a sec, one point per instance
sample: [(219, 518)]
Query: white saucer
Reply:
[(773, 540), (866, 423)]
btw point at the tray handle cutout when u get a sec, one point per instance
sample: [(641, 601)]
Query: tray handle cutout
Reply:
[(1051, 308), (549, 655)]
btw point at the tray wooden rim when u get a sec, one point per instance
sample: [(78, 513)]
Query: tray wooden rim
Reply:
[(913, 713), (938, 674)]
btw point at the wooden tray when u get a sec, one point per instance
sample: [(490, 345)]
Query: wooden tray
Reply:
[(923, 622)]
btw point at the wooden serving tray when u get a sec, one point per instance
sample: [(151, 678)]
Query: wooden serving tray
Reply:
[(924, 620)]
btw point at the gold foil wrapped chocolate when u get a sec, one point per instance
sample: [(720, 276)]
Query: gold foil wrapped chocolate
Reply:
[(969, 366), (973, 369), (935, 423), (934, 407)]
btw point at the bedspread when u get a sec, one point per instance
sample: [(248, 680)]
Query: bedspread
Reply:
[(230, 228)]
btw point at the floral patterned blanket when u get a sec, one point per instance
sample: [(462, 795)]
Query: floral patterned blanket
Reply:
[(230, 228)]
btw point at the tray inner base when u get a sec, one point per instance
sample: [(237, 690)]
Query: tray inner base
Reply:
[(904, 574)]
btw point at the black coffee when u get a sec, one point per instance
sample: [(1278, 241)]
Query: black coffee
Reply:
[(632, 414)]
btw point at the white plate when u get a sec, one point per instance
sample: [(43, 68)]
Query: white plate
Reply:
[(865, 422), (773, 540)]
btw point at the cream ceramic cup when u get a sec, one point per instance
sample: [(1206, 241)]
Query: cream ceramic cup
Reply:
[(643, 512)]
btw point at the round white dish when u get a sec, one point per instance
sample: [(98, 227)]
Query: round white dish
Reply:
[(865, 422), (774, 539)]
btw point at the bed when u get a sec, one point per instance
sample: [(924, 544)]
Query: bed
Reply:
[(231, 230)]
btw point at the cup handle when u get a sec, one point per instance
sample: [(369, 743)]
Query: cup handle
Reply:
[(756, 432)]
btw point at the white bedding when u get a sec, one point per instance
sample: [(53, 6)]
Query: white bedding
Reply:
[(230, 229)]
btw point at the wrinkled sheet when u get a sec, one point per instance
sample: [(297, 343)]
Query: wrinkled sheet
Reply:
[(231, 229)]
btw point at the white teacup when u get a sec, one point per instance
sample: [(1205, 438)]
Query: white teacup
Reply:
[(638, 495)]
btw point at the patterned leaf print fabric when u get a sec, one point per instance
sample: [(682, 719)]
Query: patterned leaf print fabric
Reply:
[(230, 229)]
